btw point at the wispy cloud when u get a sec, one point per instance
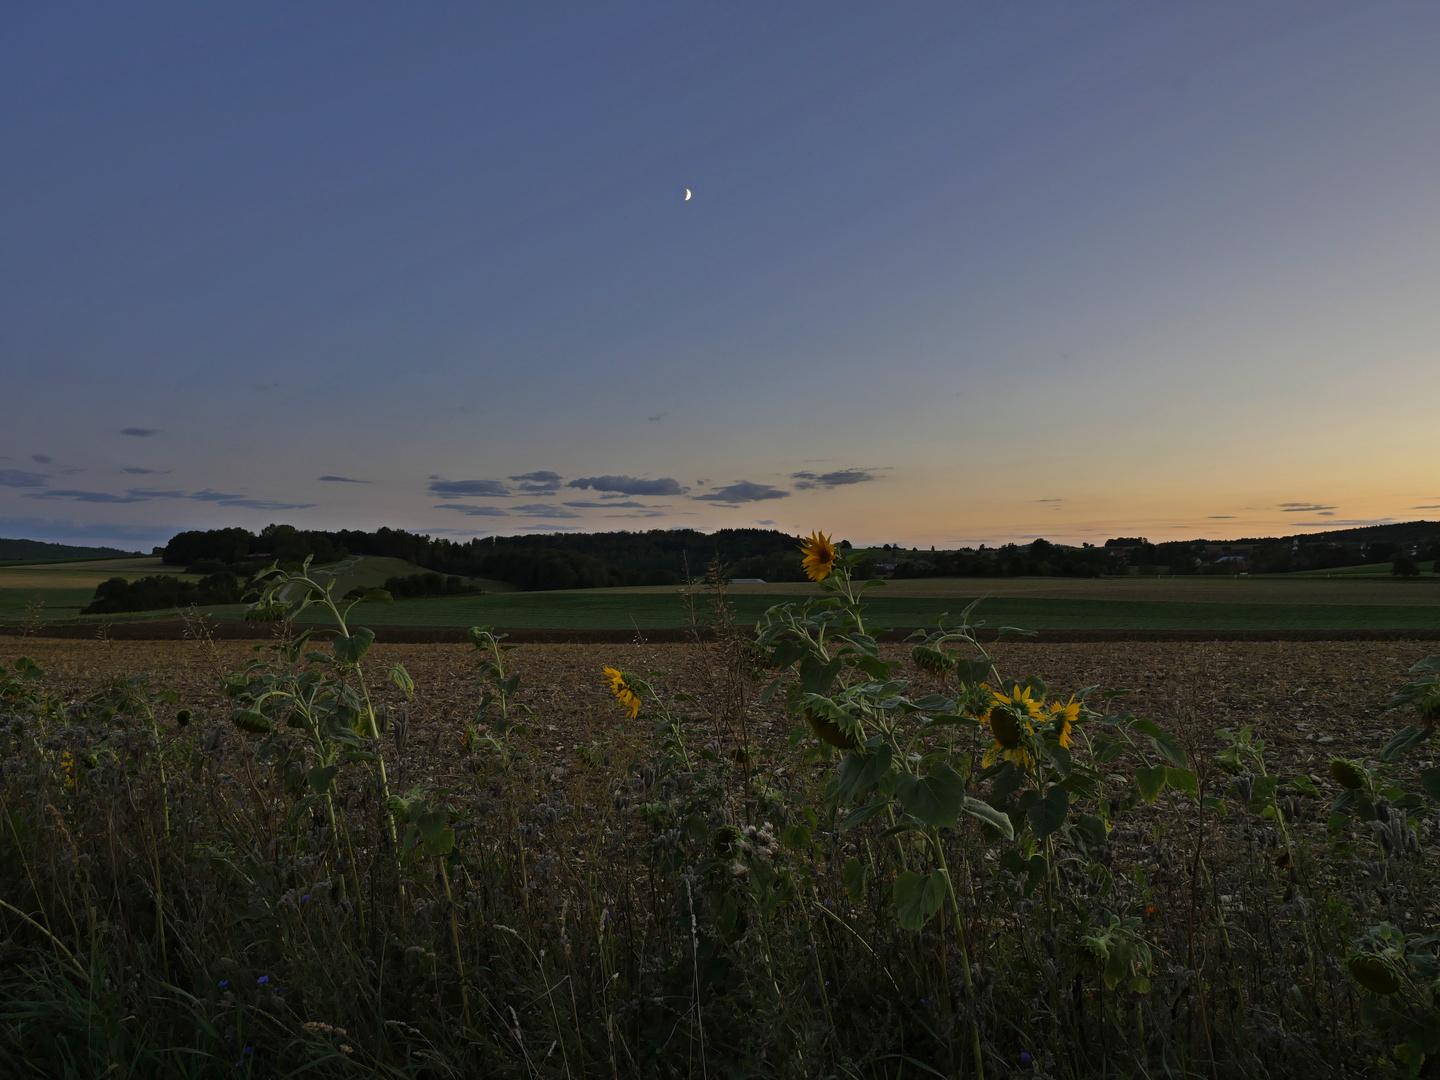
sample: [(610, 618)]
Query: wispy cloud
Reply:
[(86, 496), (1428, 506), (474, 511), (140, 432), (267, 504), (743, 492), (137, 495), (764, 523), (41, 459), (221, 498), (1049, 500), (630, 485), (615, 505), (19, 478), (1221, 517), (136, 470), (640, 514), (841, 478), (468, 489), (1303, 508), (549, 528), (545, 510), (342, 480)]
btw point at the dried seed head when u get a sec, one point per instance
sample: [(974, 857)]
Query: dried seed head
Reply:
[(1347, 774), (1373, 973)]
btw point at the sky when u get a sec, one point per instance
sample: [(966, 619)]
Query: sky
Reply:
[(950, 273)]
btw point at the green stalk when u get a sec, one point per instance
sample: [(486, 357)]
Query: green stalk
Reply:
[(964, 956)]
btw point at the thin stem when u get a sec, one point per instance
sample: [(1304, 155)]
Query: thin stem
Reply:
[(964, 956)]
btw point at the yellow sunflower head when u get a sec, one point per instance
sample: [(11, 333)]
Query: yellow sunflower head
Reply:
[(1063, 718), (1019, 701), (620, 686), (820, 558)]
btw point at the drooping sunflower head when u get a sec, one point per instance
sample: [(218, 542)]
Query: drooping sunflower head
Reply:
[(1010, 716), (820, 558), (1062, 720), (1373, 973), (1346, 774), (620, 687), (1005, 726)]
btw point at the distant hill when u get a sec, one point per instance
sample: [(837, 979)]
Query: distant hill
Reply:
[(25, 550), (1396, 532)]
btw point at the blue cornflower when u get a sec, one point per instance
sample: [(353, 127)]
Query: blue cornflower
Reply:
[(263, 979)]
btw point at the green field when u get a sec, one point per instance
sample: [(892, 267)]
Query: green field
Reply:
[(1370, 570), (66, 587), (1368, 601), (661, 608)]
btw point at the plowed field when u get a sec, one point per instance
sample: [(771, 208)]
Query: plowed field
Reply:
[(1308, 700)]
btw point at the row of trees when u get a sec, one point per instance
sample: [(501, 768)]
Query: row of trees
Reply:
[(666, 557), (568, 561)]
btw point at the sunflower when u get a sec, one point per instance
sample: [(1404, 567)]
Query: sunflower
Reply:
[(1064, 718), (620, 686), (820, 556), (1010, 715)]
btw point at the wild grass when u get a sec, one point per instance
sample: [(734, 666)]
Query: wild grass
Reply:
[(182, 898)]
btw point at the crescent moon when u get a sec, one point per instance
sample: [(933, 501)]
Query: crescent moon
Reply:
[(687, 194)]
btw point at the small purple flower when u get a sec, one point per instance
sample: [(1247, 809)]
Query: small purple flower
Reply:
[(224, 983), (1024, 1059), (305, 897), (263, 979)]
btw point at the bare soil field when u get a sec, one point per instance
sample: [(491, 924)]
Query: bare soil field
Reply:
[(1307, 700), (568, 860)]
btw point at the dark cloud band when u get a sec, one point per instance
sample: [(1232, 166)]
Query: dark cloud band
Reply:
[(744, 492)]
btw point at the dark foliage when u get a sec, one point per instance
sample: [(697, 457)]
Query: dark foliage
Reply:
[(164, 591), (568, 561)]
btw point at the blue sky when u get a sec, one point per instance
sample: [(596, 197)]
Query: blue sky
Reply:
[(949, 274)]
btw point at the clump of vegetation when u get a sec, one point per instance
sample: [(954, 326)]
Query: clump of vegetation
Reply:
[(164, 591), (952, 870), (426, 584)]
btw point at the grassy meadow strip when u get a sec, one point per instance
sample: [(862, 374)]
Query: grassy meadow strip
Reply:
[(950, 871), (606, 609)]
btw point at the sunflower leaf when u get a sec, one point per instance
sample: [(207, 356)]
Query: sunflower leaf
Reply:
[(1403, 740), (1150, 782), (936, 799), (1048, 814), (858, 775), (1183, 780), (986, 814), (918, 897)]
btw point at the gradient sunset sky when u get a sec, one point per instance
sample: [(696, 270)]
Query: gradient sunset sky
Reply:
[(950, 274)]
